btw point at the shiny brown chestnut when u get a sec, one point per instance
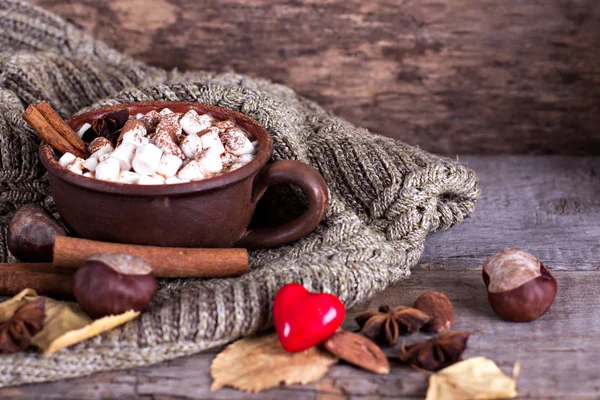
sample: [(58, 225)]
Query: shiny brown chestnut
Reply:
[(31, 233), (519, 288), (113, 283), (439, 307)]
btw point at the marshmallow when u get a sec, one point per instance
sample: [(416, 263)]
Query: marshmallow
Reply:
[(133, 132), (173, 179), (166, 137), (129, 177), (150, 120), (191, 145), (165, 111), (91, 164), (245, 159), (193, 123), (139, 115), (212, 142), (169, 165), (224, 125), (77, 166), (83, 129), (124, 154), (255, 144), (102, 157), (236, 166), (100, 145), (151, 180), (236, 142), (228, 159), (66, 159), (147, 159), (192, 171), (210, 162), (88, 174), (108, 170)]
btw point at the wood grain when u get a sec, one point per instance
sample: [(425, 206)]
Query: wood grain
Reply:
[(557, 353), (452, 77), (549, 206), (543, 204)]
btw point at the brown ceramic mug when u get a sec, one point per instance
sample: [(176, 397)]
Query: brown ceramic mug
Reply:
[(214, 212)]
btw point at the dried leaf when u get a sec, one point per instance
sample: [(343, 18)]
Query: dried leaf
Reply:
[(10, 306), (65, 323), (437, 353), (474, 378), (28, 320), (257, 363), (95, 328)]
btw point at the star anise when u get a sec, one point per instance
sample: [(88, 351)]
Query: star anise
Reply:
[(109, 125), (437, 353), (27, 321), (386, 325)]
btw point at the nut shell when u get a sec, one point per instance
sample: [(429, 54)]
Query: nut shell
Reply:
[(527, 302), (439, 307), (31, 233), (519, 288), (101, 291)]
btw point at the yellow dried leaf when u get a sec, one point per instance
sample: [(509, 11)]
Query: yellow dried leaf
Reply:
[(65, 323), (95, 328), (474, 378), (257, 363), (61, 317), (10, 306)]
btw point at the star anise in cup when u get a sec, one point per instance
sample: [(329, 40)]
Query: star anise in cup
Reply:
[(437, 353), (27, 321), (385, 325)]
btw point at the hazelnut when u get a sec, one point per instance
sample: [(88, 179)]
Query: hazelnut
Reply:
[(31, 232), (438, 306), (519, 287), (110, 284)]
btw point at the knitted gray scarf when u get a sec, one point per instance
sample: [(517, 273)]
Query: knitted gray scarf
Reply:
[(385, 196)]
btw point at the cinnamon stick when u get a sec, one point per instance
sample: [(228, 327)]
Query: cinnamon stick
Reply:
[(168, 262), (47, 133), (44, 278), (61, 126)]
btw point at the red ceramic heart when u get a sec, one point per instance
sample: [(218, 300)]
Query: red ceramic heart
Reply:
[(303, 319)]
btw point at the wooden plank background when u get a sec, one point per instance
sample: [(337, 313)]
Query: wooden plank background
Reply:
[(470, 76)]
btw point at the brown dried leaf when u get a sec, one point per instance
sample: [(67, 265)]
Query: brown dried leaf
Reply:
[(27, 321), (474, 378), (358, 350), (437, 353), (257, 363)]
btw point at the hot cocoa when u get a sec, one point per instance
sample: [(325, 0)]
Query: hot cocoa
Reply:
[(163, 147)]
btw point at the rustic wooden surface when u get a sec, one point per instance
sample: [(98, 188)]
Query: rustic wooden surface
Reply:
[(548, 205), (454, 77)]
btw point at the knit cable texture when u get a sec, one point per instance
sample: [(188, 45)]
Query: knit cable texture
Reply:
[(385, 196)]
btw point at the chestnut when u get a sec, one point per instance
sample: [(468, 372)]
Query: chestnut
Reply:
[(113, 283), (31, 233), (519, 288), (439, 307)]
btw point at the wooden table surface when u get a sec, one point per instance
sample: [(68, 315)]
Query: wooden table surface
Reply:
[(549, 205)]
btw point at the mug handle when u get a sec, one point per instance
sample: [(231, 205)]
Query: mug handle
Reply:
[(310, 182)]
